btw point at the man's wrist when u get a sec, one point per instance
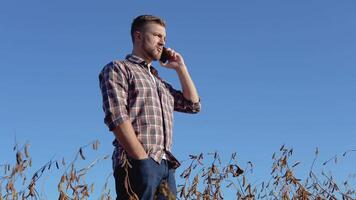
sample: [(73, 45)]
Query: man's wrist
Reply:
[(140, 156), (143, 157), (181, 68)]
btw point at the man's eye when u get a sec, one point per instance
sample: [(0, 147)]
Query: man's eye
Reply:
[(158, 35)]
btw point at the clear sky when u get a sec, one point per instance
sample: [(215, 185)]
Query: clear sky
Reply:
[(268, 73)]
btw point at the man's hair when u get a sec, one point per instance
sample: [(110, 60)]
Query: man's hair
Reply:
[(139, 22)]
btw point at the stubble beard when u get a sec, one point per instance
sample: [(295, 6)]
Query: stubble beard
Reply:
[(153, 56), (152, 53)]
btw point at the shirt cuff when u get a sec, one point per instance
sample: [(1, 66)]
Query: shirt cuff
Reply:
[(113, 123), (195, 107)]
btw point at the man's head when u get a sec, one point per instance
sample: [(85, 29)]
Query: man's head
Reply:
[(148, 35)]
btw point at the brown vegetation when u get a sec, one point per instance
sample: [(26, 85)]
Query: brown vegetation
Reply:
[(206, 177)]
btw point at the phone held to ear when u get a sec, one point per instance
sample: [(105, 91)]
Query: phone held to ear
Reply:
[(164, 56)]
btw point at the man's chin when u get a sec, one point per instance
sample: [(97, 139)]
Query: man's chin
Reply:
[(156, 57)]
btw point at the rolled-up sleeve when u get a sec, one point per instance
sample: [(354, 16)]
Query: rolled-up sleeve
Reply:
[(114, 90), (181, 104)]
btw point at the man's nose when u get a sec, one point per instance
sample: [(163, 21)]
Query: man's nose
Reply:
[(162, 42)]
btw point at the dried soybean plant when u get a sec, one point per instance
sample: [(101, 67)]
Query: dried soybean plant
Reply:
[(206, 177), (201, 181), (14, 180), (205, 182), (16, 184), (285, 185), (72, 185)]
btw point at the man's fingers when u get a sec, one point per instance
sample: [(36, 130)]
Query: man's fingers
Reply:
[(173, 55), (170, 52)]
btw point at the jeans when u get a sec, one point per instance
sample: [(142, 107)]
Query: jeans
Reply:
[(145, 177)]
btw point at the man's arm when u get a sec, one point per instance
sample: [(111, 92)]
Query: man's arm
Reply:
[(187, 101), (188, 87), (114, 89), (127, 138)]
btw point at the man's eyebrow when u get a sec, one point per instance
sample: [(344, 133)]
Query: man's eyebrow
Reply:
[(160, 34)]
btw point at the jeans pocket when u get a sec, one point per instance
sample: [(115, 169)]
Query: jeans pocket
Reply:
[(138, 162), (144, 169)]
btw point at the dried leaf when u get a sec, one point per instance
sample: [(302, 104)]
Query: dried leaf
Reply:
[(18, 157), (27, 154), (297, 163), (282, 147), (233, 156), (92, 188), (290, 152), (81, 153), (63, 162)]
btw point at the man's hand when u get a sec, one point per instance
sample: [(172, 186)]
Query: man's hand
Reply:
[(175, 60)]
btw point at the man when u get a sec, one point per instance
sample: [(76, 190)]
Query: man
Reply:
[(138, 107)]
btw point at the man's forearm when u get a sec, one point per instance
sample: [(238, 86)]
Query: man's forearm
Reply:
[(188, 87), (127, 138)]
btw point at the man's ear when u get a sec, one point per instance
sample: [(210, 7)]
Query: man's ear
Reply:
[(137, 35)]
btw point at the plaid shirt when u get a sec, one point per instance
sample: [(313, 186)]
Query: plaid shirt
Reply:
[(131, 92)]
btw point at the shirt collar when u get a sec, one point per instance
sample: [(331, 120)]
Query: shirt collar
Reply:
[(136, 59), (141, 62)]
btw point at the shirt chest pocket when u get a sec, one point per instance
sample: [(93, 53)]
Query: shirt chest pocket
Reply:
[(143, 87)]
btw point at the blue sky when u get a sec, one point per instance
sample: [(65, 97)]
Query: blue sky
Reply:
[(268, 73)]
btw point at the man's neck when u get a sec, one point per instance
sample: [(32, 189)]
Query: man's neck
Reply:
[(142, 56)]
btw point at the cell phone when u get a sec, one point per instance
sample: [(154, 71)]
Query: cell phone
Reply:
[(164, 55)]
